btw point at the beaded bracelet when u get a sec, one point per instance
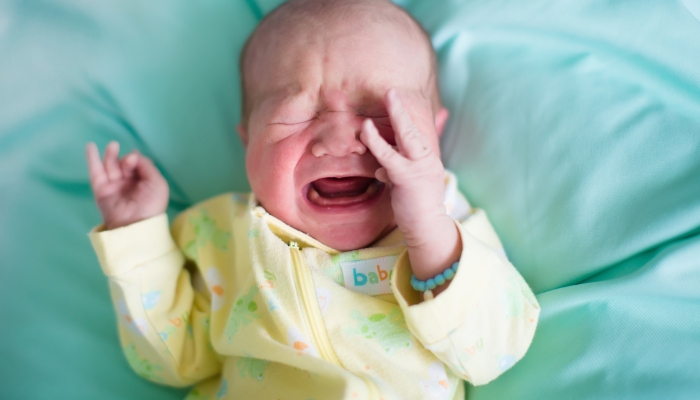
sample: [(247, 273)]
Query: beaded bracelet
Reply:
[(437, 280)]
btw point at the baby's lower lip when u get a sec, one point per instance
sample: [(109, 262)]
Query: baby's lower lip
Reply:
[(341, 202)]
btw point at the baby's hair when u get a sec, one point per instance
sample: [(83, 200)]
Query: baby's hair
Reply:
[(308, 11)]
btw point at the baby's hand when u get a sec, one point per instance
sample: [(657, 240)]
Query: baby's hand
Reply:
[(416, 178), (127, 190)]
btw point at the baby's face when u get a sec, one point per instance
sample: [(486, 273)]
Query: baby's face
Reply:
[(309, 93)]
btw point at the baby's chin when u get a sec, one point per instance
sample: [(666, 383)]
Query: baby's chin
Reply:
[(342, 222), (344, 213), (346, 238)]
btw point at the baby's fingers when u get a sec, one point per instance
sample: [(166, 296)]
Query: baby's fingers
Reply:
[(411, 140), (382, 175), (128, 164), (98, 175), (111, 162), (385, 154)]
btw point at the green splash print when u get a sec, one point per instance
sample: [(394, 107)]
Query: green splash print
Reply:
[(347, 256), (252, 367), (269, 276), (194, 394), (389, 330), (243, 313), (205, 230), (142, 366), (514, 298)]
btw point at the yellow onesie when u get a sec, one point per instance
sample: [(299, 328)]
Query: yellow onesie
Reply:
[(244, 306)]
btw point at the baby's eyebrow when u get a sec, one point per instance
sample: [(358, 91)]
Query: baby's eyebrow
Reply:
[(284, 96), (283, 92)]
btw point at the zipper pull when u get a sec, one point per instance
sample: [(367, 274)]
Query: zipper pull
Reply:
[(293, 245)]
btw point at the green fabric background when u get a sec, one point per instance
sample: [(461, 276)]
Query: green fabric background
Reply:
[(575, 124)]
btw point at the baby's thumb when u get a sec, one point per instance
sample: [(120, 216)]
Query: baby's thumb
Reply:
[(382, 175)]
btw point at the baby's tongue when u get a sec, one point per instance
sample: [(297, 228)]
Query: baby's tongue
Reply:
[(342, 187)]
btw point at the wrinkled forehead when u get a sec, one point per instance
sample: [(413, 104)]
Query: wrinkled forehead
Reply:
[(316, 18), (337, 49), (367, 48)]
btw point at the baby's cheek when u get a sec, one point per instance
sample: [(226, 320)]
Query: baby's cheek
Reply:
[(275, 195), (272, 181)]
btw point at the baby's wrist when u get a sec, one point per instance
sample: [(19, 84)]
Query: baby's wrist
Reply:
[(438, 250), (424, 227)]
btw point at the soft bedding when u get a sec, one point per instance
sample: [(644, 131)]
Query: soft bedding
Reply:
[(575, 124)]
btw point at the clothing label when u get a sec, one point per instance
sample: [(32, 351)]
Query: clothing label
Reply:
[(370, 277)]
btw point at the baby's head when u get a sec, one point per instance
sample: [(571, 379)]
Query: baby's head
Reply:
[(312, 72)]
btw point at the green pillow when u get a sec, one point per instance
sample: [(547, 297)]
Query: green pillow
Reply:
[(576, 125), (160, 76)]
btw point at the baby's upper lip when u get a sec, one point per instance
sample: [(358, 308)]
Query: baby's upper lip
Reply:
[(339, 174), (363, 166)]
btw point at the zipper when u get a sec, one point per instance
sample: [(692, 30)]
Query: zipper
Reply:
[(315, 320), (310, 304)]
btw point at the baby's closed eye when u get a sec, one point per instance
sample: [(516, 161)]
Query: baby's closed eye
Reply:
[(383, 124), (379, 117), (381, 120), (294, 120)]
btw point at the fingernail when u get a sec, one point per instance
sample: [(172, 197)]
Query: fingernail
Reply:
[(392, 94)]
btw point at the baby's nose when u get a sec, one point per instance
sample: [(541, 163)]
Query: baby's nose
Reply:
[(339, 136)]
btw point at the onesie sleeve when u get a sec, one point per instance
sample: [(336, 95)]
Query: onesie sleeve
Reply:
[(484, 322), (163, 321)]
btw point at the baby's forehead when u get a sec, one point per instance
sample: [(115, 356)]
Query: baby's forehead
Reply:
[(285, 47), (314, 19)]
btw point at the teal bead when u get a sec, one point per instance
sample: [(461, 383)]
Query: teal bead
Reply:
[(439, 279), (434, 282)]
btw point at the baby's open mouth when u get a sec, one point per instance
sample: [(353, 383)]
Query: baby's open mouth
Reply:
[(347, 191)]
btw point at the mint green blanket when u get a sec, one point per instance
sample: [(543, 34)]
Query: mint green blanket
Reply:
[(574, 123)]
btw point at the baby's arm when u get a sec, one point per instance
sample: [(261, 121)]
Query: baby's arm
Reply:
[(163, 321), (415, 175), (485, 320)]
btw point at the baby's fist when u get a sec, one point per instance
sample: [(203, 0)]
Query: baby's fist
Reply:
[(126, 190)]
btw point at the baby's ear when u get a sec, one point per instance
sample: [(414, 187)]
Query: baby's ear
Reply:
[(243, 134), (441, 117)]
